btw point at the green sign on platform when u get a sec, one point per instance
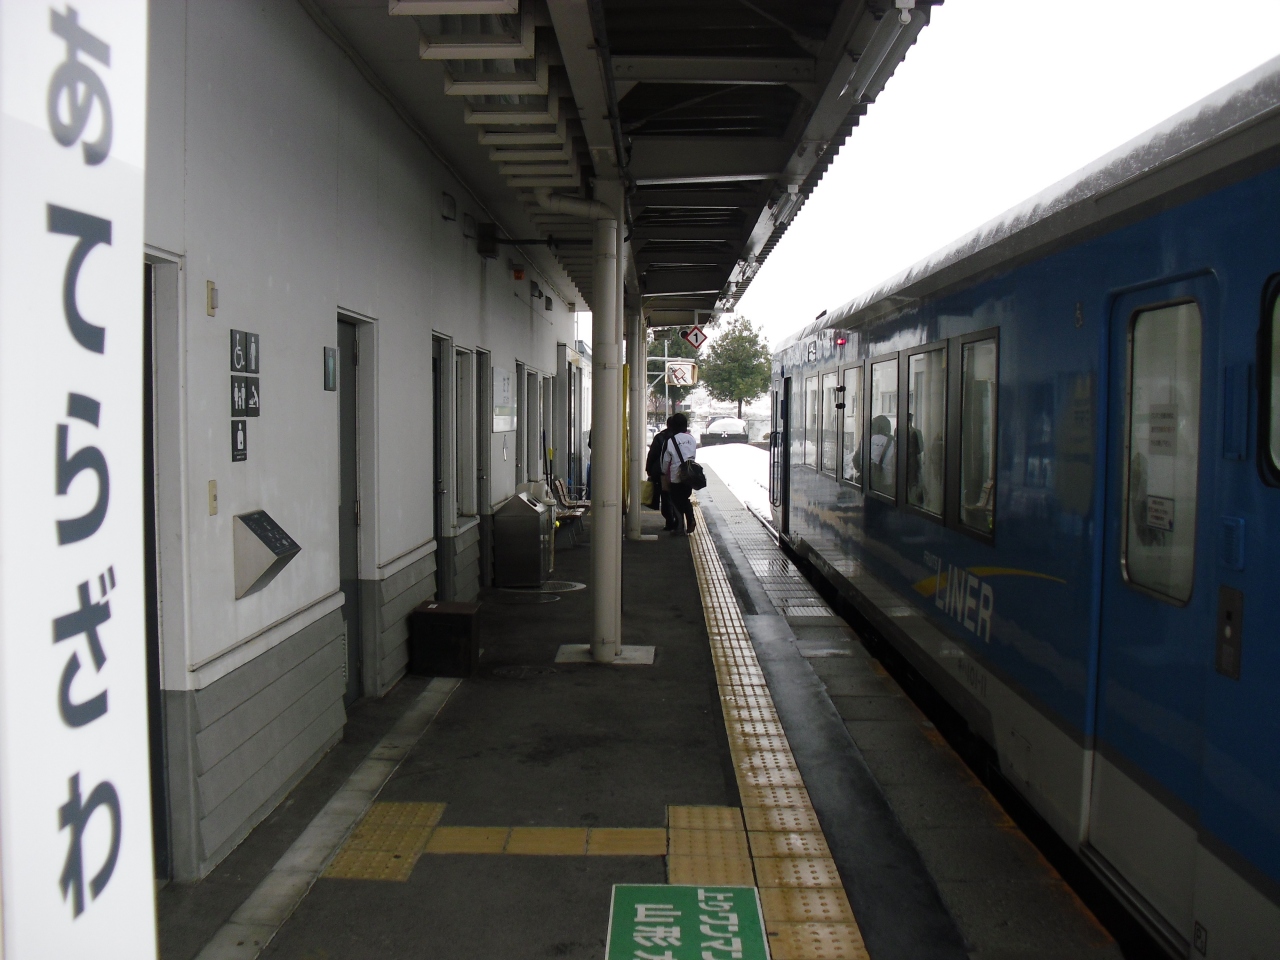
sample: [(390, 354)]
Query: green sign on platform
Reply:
[(668, 922)]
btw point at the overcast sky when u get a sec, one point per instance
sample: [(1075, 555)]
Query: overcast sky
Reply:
[(996, 101)]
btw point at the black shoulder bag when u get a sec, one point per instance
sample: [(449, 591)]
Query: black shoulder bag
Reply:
[(690, 471)]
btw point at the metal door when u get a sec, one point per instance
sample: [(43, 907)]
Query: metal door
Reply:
[(1158, 595), (349, 508), (150, 543)]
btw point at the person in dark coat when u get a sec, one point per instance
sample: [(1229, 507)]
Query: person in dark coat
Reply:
[(653, 469), (679, 450)]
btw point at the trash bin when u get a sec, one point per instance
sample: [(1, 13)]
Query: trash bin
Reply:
[(443, 639), (522, 542)]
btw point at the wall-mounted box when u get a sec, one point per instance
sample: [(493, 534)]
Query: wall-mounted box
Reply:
[(261, 550)]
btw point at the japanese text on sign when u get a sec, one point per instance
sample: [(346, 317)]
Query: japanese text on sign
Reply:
[(76, 845), (671, 922)]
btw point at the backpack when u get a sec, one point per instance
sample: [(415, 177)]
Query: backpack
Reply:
[(690, 471)]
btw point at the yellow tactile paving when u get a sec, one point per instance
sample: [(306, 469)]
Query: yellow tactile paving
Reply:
[(386, 843), (805, 905), (370, 865), (745, 676), (403, 840), (547, 841), (750, 759), (781, 819), (627, 842), (770, 778), (751, 714), (806, 912), (403, 815), (754, 728), (760, 700), (468, 840), (741, 741), (773, 796), (816, 941), (796, 872), (711, 871), (708, 843), (788, 844), (704, 818)]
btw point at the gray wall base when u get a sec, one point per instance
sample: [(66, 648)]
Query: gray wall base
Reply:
[(384, 604), (235, 748), (486, 550), (460, 564)]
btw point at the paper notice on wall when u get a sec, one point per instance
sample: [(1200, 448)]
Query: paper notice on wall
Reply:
[(1160, 513), (504, 400), (1162, 436)]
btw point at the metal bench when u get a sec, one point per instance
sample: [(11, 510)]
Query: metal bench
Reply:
[(569, 510)]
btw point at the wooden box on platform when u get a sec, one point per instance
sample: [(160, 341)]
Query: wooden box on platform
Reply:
[(444, 639)]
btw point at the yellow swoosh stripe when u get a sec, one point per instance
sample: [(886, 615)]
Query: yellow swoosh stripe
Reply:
[(931, 585)]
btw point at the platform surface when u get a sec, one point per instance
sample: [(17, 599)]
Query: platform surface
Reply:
[(762, 747)]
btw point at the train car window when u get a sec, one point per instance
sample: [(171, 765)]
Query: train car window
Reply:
[(882, 465), (851, 469), (811, 421), (978, 435), (1274, 437), (828, 426), (924, 434), (1163, 450)]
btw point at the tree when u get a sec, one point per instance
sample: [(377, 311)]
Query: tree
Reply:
[(737, 364), (677, 347)]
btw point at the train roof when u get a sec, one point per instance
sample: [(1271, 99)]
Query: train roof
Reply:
[(1229, 135)]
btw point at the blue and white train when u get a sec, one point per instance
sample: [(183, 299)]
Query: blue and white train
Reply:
[(1045, 464)]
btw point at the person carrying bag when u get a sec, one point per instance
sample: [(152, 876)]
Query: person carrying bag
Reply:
[(661, 499), (682, 473)]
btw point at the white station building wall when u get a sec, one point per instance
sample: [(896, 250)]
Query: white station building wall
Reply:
[(277, 172)]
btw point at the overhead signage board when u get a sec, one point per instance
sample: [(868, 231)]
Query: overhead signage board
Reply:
[(682, 373), (76, 869), (673, 922), (695, 336)]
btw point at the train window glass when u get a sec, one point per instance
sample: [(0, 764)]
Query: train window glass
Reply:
[(926, 429), (828, 427), (1163, 450), (1275, 385), (884, 420), (978, 435), (852, 467), (811, 421)]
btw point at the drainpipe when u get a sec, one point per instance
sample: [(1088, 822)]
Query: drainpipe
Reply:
[(606, 422), (637, 357)]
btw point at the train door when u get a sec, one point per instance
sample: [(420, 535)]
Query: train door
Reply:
[(779, 452), (1159, 598), (774, 499)]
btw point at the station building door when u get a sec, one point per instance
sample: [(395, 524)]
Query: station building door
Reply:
[(155, 694), (349, 505), (1159, 595)]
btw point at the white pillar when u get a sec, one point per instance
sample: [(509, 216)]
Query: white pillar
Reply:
[(606, 448), (606, 410)]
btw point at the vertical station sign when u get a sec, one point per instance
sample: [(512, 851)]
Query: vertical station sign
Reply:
[(75, 812)]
